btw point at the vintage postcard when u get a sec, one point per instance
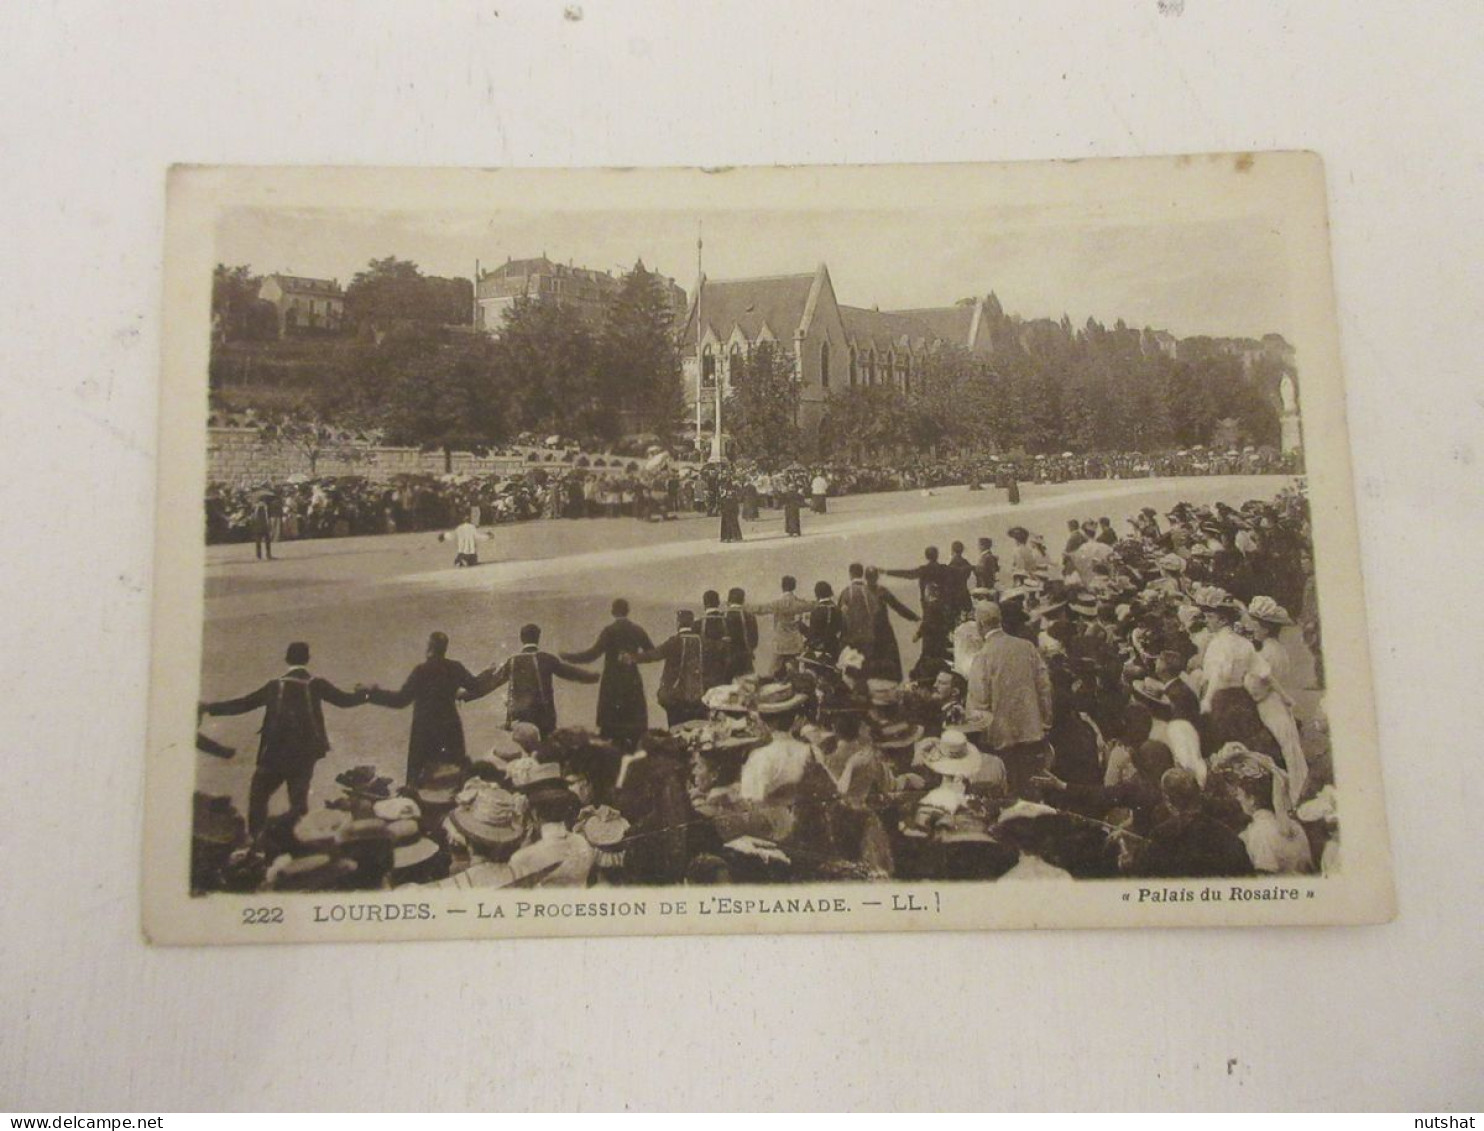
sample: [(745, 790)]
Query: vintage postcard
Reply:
[(781, 549)]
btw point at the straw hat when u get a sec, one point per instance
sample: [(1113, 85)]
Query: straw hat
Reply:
[(776, 698), (493, 819), (317, 828), (1268, 611), (408, 856), (1213, 597), (728, 698), (893, 736), (1151, 691), (315, 872), (954, 756), (397, 809), (1172, 563)]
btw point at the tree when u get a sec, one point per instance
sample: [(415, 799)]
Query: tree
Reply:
[(869, 422), (761, 414), (394, 291), (313, 438), (450, 399), (237, 314), (547, 361), (640, 364)]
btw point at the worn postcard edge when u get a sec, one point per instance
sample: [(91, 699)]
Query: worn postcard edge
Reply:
[(1287, 188)]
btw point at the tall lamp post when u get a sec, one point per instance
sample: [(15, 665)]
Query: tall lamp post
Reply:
[(716, 449)]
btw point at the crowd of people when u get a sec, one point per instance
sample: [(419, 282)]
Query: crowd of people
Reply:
[(654, 489), (1118, 703)]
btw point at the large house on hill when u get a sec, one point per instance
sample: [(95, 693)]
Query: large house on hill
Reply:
[(583, 289), (304, 305), (833, 348)]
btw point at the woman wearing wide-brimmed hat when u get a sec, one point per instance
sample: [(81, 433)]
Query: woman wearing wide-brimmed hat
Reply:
[(1274, 702), (1230, 666)]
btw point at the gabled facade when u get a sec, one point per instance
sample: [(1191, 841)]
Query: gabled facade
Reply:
[(833, 348), (304, 305)]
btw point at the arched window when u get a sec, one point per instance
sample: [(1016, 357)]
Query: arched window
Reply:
[(853, 377), (893, 375), (824, 365), (736, 361), (708, 368), (870, 367)]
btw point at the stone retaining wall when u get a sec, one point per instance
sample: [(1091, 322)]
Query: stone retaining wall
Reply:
[(237, 457)]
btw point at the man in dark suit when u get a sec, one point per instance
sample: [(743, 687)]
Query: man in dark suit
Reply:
[(293, 736), (858, 607), (716, 650), (529, 673), (987, 570), (623, 714), (963, 570), (741, 635), (931, 572), (682, 681), (437, 736), (825, 623)]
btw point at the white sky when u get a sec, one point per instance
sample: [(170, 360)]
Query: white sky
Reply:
[(1226, 278)]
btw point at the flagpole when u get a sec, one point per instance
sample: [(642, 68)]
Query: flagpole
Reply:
[(700, 363)]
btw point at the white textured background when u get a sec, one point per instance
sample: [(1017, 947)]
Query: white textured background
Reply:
[(97, 98)]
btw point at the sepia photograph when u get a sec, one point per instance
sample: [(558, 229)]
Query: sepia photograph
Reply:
[(771, 549)]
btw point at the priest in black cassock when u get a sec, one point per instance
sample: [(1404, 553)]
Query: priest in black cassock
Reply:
[(623, 714)]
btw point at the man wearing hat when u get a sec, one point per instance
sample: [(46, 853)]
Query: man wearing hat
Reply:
[(782, 761), (568, 854), (682, 681), (293, 736), (437, 736), (623, 714), (529, 673)]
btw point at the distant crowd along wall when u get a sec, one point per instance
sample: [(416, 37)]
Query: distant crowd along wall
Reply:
[(240, 457)]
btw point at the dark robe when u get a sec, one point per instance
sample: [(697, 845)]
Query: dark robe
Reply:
[(825, 626), (716, 648), (731, 520), (987, 572), (437, 735), (529, 673), (682, 681), (1194, 845), (292, 738), (742, 637), (792, 523), (623, 714), (885, 658), (655, 799)]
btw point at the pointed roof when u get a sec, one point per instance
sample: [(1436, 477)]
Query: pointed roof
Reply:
[(883, 330), (958, 325), (300, 285), (777, 301)]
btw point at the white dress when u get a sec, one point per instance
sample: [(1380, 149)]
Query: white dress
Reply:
[(1275, 709)]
